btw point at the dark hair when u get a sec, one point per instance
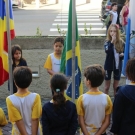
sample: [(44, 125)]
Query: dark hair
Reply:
[(59, 39), (58, 84), (95, 74), (22, 76), (113, 4), (130, 69), (14, 49)]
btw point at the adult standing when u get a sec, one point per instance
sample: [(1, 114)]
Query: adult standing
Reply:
[(124, 15)]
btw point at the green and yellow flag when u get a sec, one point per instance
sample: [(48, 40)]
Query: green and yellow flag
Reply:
[(66, 59)]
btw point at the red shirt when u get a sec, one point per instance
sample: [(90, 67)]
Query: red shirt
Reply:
[(125, 15)]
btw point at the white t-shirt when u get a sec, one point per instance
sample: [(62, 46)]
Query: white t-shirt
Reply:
[(115, 16), (116, 55), (53, 63)]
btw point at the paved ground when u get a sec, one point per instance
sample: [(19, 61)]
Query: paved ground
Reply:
[(7, 129), (48, 16)]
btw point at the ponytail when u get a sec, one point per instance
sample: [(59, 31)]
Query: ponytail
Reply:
[(59, 99), (58, 85)]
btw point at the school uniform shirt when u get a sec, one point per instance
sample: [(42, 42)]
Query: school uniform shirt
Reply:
[(112, 60), (62, 121), (124, 111), (94, 106), (53, 63), (114, 16), (3, 120), (25, 107)]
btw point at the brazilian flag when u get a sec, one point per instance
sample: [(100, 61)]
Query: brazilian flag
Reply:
[(66, 60)]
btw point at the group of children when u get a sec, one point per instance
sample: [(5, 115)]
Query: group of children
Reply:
[(60, 116)]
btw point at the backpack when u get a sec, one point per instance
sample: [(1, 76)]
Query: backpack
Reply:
[(106, 20)]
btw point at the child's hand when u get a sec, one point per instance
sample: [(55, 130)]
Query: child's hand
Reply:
[(113, 38), (121, 54)]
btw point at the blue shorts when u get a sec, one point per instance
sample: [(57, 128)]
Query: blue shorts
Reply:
[(116, 74)]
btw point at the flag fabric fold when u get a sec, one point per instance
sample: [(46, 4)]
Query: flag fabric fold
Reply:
[(66, 59), (4, 75)]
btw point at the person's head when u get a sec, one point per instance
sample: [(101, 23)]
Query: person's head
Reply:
[(114, 31), (130, 70), (94, 75), (22, 77), (58, 45), (127, 2), (16, 53), (58, 84), (114, 6)]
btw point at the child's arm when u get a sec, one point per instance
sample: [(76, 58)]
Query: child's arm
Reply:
[(48, 65), (36, 114), (21, 127), (111, 17), (35, 124), (104, 125), (82, 124), (50, 72), (81, 113), (106, 122), (3, 120), (122, 13), (15, 116)]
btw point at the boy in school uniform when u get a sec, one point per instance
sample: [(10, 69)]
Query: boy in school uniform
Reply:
[(24, 107), (94, 107)]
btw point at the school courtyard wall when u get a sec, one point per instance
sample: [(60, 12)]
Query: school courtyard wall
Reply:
[(35, 51)]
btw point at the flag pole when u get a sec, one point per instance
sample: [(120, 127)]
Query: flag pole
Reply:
[(73, 47), (9, 48)]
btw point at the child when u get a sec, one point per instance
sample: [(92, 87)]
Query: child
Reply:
[(94, 107), (124, 105), (59, 116), (113, 13), (53, 61), (24, 107), (3, 120), (17, 61), (114, 48)]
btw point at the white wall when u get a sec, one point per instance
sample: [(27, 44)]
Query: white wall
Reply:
[(131, 14)]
